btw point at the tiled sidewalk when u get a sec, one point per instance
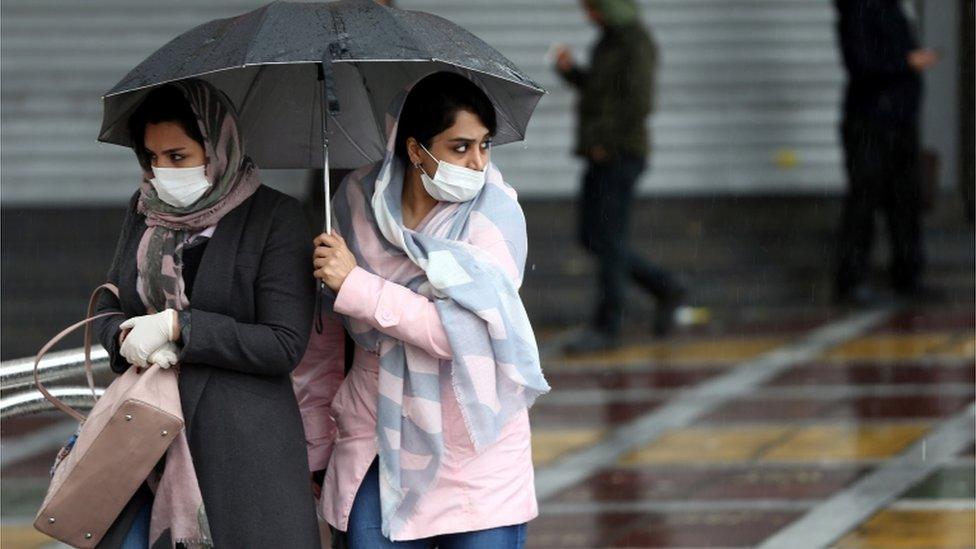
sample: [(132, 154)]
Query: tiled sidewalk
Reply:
[(752, 465)]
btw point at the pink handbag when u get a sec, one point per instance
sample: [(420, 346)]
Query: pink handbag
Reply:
[(117, 446)]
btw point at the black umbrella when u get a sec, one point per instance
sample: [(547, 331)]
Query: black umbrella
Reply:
[(281, 63)]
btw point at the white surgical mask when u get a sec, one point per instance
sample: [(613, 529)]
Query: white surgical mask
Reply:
[(180, 187), (452, 183)]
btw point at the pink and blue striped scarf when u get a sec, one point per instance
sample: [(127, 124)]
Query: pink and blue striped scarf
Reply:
[(495, 371)]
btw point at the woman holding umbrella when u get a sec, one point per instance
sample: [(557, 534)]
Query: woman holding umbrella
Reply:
[(426, 442), (212, 273)]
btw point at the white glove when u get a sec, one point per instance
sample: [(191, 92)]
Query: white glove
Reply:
[(165, 356), (147, 334)]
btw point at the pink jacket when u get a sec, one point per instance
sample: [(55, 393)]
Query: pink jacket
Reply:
[(472, 492)]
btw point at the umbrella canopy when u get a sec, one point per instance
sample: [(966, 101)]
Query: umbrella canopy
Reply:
[(278, 64)]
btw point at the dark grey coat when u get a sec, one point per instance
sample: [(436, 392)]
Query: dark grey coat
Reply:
[(250, 320)]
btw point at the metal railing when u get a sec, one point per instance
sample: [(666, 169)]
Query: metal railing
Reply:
[(20, 397)]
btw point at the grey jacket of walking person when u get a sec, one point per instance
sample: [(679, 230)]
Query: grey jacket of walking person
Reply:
[(617, 88), (241, 255)]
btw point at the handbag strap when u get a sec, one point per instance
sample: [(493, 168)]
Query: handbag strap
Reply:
[(89, 373)]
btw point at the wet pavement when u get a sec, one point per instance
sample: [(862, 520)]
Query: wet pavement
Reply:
[(846, 429), (727, 440)]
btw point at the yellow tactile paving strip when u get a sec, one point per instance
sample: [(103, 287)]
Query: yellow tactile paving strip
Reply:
[(961, 347), (730, 350), (901, 346), (704, 444), (772, 443), (847, 442), (688, 353), (896, 529), (547, 445), (22, 536)]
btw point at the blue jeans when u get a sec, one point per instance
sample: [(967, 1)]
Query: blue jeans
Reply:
[(138, 535), (365, 520)]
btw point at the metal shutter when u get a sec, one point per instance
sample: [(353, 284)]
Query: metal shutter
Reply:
[(748, 92)]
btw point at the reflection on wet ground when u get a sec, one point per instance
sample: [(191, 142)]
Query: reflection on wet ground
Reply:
[(729, 439)]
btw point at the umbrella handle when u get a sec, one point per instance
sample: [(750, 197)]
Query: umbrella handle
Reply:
[(319, 326)]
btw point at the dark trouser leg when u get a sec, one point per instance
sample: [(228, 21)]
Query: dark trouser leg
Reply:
[(863, 159), (652, 278), (902, 206), (604, 209), (604, 223)]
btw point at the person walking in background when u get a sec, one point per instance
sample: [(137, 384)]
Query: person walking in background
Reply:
[(881, 145), (616, 95)]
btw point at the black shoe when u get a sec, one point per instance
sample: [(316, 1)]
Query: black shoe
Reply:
[(664, 311), (592, 341), (858, 296), (921, 294)]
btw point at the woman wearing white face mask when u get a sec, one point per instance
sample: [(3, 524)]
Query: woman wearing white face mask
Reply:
[(427, 441), (212, 270)]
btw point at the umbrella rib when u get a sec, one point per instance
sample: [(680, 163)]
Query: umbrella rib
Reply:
[(380, 129), (529, 84), (250, 89), (350, 138), (257, 32)]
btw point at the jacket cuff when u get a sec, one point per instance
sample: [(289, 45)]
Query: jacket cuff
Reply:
[(186, 335), (116, 361), (184, 319), (359, 294)]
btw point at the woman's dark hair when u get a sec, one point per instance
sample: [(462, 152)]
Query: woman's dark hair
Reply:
[(165, 104), (433, 104)]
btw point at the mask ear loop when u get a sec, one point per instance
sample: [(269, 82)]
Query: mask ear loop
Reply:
[(420, 166), (428, 152)]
